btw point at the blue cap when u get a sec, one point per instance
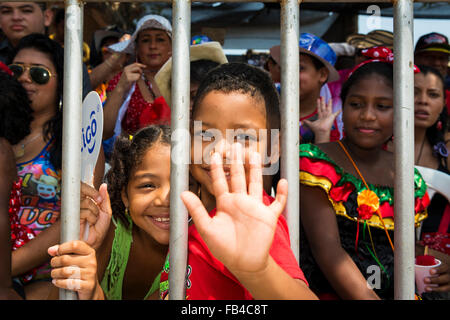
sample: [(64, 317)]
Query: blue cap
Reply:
[(199, 39), (319, 49)]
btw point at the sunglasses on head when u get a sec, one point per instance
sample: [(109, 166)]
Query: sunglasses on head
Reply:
[(39, 74)]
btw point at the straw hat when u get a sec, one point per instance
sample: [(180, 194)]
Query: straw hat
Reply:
[(150, 21), (204, 51), (373, 38)]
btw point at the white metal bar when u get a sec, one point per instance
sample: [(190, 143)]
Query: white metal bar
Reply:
[(404, 148), (290, 116), (71, 151), (180, 150)]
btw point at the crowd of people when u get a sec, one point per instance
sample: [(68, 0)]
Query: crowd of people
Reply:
[(238, 238)]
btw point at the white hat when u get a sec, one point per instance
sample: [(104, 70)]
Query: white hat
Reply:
[(150, 21), (204, 51)]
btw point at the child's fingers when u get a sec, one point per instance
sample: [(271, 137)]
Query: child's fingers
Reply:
[(196, 210), (306, 123), (319, 106), (88, 191), (330, 104), (69, 272), (87, 216), (88, 211), (53, 250), (255, 183), (68, 260), (281, 197), (219, 180), (336, 113), (237, 172), (72, 247), (72, 284)]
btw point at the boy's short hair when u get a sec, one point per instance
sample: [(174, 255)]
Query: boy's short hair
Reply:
[(244, 78)]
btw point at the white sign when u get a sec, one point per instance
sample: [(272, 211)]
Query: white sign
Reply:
[(91, 135)]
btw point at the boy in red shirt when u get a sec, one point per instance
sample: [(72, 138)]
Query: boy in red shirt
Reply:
[(240, 250)]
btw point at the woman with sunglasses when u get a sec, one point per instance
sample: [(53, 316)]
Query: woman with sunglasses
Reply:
[(38, 66)]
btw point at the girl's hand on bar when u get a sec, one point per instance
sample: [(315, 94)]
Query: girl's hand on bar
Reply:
[(322, 126), (74, 267), (131, 73), (439, 276), (241, 233), (95, 210)]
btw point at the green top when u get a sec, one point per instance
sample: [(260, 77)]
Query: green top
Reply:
[(113, 278)]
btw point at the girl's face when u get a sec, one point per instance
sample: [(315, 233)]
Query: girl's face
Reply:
[(154, 48), (428, 99), (368, 112), (311, 79), (219, 120), (43, 97), (147, 193)]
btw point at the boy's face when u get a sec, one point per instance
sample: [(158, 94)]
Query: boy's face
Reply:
[(311, 79), (19, 19), (224, 118)]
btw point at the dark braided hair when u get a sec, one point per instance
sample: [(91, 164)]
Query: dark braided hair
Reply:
[(15, 110), (53, 127), (126, 157), (435, 135)]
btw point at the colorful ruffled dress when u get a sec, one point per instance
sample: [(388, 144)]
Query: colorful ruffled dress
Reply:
[(362, 233)]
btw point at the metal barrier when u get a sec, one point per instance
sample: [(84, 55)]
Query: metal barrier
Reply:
[(404, 107)]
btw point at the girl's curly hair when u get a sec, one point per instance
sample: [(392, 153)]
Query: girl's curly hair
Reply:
[(15, 110), (126, 157)]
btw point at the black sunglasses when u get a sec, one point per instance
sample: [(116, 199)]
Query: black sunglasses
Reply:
[(39, 74)]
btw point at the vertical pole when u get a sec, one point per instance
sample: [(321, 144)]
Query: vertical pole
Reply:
[(71, 152), (404, 148), (180, 149), (290, 116)]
